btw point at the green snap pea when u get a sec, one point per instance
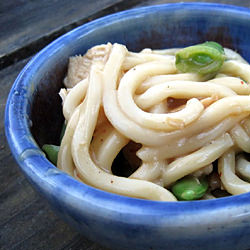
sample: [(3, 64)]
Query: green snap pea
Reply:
[(189, 188), (205, 58), (51, 152)]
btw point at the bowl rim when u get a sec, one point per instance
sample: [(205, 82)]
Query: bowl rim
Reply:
[(44, 175)]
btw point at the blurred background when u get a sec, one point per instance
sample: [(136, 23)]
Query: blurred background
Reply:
[(26, 26)]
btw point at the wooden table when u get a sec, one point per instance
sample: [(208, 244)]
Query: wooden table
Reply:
[(26, 220)]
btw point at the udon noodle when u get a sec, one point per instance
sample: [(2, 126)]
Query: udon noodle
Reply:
[(168, 124)]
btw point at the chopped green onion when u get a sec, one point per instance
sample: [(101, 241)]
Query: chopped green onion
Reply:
[(205, 58), (189, 188), (51, 152)]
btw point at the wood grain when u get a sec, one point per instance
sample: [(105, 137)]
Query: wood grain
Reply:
[(28, 21)]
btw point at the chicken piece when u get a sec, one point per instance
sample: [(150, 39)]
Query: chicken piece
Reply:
[(79, 66)]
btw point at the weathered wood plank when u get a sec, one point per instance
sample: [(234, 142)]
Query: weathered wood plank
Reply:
[(25, 22)]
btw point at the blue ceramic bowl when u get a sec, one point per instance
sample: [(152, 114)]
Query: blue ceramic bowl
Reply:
[(33, 117)]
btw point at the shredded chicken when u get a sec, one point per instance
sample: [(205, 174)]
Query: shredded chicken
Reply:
[(79, 66)]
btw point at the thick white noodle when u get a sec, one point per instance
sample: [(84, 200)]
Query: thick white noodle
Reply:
[(125, 98), (149, 171), (236, 84), (171, 51), (232, 55), (64, 159), (203, 171), (106, 144), (133, 59), (242, 167), (186, 145), (231, 182), (246, 125), (86, 168), (167, 122), (196, 160), (123, 124), (180, 89), (236, 68), (74, 98), (241, 138), (212, 115), (158, 79)]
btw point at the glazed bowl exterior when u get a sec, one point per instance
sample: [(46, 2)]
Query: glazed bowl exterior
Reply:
[(33, 117)]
